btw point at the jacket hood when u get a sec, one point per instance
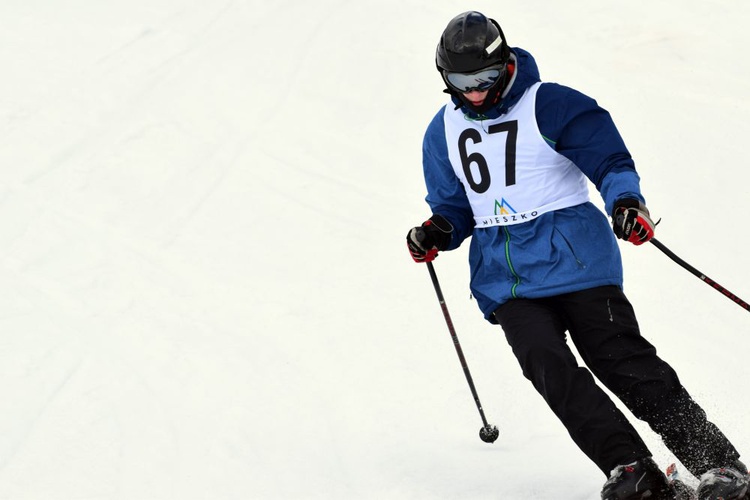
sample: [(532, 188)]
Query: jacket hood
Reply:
[(526, 74)]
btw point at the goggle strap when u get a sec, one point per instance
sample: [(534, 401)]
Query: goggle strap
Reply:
[(494, 45)]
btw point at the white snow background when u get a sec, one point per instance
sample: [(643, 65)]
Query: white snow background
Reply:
[(204, 286)]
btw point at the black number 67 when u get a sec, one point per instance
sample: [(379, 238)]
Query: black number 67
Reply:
[(483, 183)]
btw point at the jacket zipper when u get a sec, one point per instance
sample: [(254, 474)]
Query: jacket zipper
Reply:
[(581, 265), (510, 264)]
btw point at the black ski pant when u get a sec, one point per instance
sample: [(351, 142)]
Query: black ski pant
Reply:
[(604, 330)]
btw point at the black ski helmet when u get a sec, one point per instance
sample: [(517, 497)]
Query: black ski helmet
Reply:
[(472, 42)]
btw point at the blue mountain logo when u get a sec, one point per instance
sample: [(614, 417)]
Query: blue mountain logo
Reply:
[(503, 208)]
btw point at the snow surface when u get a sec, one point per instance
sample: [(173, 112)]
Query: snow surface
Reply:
[(204, 287)]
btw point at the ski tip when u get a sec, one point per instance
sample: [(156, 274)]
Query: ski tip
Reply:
[(680, 490), (672, 471)]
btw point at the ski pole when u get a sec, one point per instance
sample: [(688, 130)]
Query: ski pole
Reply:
[(700, 275), (488, 433)]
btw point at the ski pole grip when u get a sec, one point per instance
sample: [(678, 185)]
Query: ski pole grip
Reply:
[(420, 235)]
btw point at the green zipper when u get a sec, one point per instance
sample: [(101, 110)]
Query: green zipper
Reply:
[(510, 264)]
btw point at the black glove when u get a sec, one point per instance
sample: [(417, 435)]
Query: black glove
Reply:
[(632, 222), (426, 240)]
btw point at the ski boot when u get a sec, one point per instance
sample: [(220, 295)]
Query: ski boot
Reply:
[(641, 479), (725, 483)]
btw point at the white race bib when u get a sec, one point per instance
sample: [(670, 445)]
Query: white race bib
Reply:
[(510, 173)]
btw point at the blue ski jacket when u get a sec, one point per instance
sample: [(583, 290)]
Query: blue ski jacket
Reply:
[(561, 251)]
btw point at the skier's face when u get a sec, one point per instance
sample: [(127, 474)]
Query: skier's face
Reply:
[(475, 97)]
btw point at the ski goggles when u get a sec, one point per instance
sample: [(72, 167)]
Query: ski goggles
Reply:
[(481, 80)]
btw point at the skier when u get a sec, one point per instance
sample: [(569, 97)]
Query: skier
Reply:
[(507, 161)]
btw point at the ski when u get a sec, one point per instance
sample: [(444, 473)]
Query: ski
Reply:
[(681, 490)]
